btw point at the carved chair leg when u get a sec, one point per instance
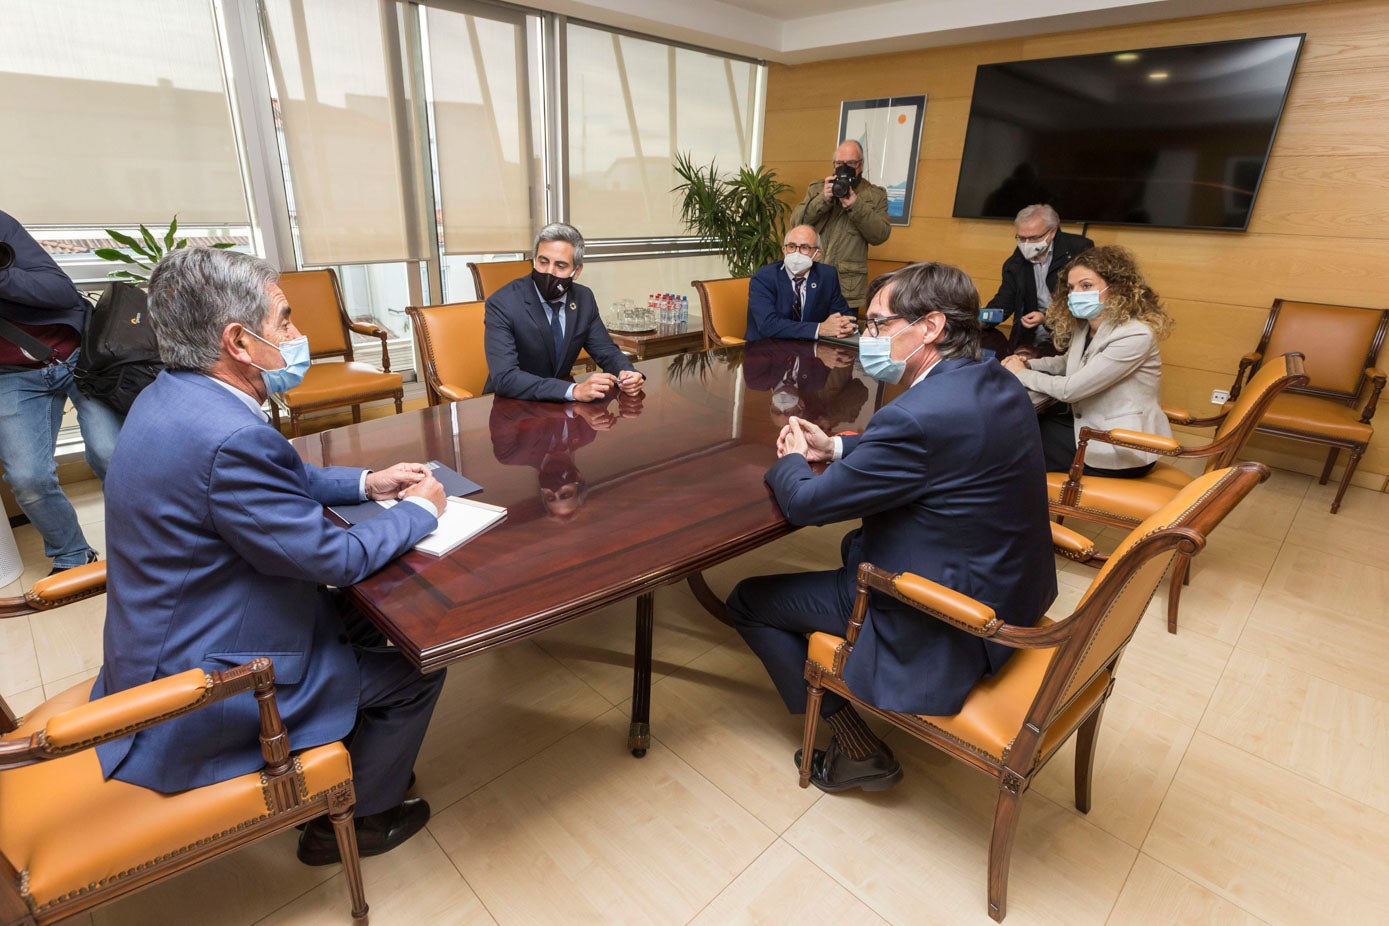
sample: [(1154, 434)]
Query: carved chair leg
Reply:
[(1353, 462), (294, 424), (814, 695), (1085, 757), (346, 835), (1001, 842), (1330, 464), (356, 414), (399, 407), (1180, 570)]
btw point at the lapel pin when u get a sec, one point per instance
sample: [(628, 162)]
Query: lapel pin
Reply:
[(813, 285)]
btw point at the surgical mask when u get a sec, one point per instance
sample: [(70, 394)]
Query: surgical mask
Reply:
[(876, 356), (295, 354), (785, 399), (550, 286), (797, 263), (1033, 249), (1086, 305)]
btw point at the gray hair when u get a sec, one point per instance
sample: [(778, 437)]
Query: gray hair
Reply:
[(786, 238), (1038, 210), (862, 154), (558, 231), (195, 293)]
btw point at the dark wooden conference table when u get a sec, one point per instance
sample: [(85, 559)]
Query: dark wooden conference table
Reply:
[(606, 500)]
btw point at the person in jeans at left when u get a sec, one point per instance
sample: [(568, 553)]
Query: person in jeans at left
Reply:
[(41, 316)]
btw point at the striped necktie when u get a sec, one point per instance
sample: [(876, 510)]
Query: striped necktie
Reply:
[(797, 297)]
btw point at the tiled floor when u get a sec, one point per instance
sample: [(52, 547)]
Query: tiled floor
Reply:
[(1240, 775)]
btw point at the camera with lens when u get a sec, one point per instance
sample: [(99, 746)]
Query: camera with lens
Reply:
[(845, 177), (6, 256)]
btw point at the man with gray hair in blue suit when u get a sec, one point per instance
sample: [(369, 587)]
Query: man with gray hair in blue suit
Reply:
[(219, 552)]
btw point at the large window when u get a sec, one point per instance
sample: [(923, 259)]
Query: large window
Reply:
[(632, 105), (116, 114)]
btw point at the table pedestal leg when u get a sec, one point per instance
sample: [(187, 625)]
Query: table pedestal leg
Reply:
[(639, 733), (706, 597)]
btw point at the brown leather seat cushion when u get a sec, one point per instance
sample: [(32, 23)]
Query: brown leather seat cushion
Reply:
[(1134, 499), (994, 711), (339, 382), (1308, 414), (65, 828)]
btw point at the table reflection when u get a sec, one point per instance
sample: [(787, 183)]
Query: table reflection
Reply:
[(814, 382)]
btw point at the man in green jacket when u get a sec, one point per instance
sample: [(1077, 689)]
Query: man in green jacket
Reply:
[(848, 224)]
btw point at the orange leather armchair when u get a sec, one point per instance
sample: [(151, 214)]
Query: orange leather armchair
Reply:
[(71, 840), (316, 301), (723, 308), (1341, 344), (1126, 502), (1057, 683), (492, 276), (449, 339), (55, 591)]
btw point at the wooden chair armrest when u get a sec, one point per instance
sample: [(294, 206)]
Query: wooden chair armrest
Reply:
[(370, 329), (51, 592), (1177, 415), (1072, 544), (1377, 378), (143, 706), (1246, 363), (1139, 440), (453, 393), (952, 607)]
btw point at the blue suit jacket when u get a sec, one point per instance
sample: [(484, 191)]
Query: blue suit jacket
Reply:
[(951, 485), (769, 302), (520, 353), (217, 553)]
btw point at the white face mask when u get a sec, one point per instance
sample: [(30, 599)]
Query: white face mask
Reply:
[(797, 262), (1033, 249)]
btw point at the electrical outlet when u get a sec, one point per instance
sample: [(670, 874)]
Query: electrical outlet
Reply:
[(1219, 396)]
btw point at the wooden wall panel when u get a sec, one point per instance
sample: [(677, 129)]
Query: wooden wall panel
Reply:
[(1318, 231)]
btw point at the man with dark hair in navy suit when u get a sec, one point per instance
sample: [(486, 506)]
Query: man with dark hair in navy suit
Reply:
[(797, 296), (950, 482), (536, 325), (219, 552)]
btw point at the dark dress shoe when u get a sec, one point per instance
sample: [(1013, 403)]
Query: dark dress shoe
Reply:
[(410, 786), (832, 771), (378, 833), (92, 557)]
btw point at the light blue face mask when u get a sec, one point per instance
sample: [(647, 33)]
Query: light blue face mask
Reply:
[(876, 356), (1085, 305), (296, 356)]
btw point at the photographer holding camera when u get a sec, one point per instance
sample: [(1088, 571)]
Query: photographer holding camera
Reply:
[(850, 213), (41, 318)]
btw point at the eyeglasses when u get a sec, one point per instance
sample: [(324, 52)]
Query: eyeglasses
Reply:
[(807, 249), (874, 324), (1033, 239), (857, 163)]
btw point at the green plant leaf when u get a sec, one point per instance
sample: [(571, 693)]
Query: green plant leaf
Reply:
[(155, 251), (113, 255), (169, 235), (223, 244), (124, 239), (127, 275), (182, 243)]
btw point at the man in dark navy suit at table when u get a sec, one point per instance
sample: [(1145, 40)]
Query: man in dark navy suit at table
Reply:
[(950, 482), (797, 296), (536, 325)]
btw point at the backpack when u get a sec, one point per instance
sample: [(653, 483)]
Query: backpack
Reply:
[(119, 354)]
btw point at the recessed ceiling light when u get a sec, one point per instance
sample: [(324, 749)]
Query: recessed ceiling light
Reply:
[(1127, 56), (1157, 75)]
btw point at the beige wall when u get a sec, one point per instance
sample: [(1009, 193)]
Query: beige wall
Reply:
[(1320, 229)]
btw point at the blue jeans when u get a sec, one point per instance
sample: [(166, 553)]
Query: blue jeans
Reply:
[(31, 411)]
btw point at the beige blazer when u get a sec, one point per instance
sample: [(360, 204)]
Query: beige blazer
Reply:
[(1113, 382)]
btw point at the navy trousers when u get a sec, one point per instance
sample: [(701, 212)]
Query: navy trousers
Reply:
[(393, 709), (774, 614)]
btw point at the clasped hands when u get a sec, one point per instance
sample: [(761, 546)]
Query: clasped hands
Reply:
[(406, 480), (838, 326), (598, 384), (807, 439)]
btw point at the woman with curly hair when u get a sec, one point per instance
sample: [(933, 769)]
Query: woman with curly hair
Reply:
[(1107, 322)]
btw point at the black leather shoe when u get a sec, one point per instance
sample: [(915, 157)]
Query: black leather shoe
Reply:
[(409, 789), (378, 833), (832, 771)]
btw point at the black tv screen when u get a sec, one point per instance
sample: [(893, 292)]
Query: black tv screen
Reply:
[(1173, 137)]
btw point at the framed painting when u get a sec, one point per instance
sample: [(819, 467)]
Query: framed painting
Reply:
[(889, 130)]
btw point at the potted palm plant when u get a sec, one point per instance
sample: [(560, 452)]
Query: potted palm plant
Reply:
[(743, 214), (145, 253)]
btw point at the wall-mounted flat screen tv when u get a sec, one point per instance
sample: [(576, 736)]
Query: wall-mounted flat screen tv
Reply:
[(1173, 137)]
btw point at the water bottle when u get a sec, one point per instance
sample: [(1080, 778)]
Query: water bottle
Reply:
[(684, 311)]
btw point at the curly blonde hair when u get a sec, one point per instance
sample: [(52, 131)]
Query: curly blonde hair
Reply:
[(1128, 296)]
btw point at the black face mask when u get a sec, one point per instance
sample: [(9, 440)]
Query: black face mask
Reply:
[(550, 286)]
